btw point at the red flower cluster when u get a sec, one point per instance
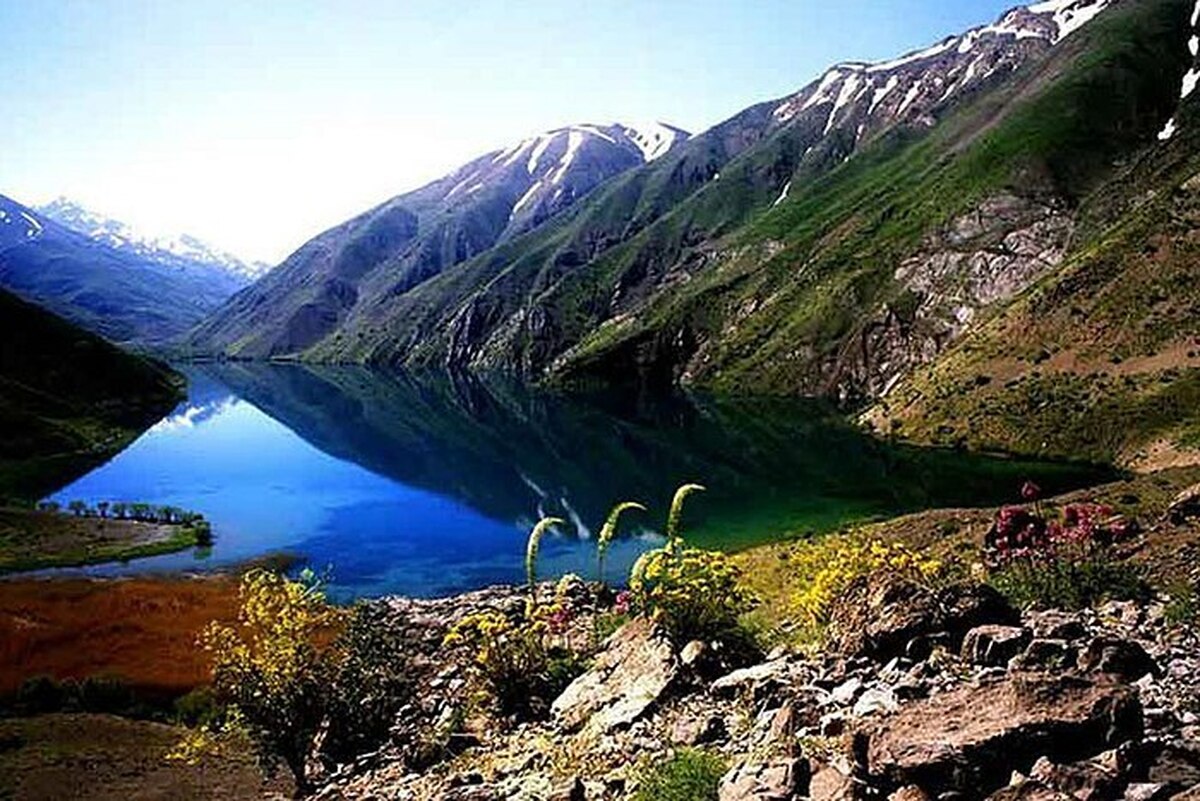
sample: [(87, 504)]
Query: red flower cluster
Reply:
[(623, 603), (1019, 534)]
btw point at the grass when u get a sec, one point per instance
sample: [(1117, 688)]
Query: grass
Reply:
[(35, 540), (141, 630), (688, 775)]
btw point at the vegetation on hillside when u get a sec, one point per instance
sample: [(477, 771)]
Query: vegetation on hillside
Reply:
[(68, 399)]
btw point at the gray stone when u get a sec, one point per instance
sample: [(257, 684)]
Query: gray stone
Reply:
[(626, 681), (994, 645)]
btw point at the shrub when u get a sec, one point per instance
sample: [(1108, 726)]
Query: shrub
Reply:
[(819, 571), (1183, 604), (687, 775), (370, 684), (1066, 562), (521, 663), (273, 669), (695, 594)]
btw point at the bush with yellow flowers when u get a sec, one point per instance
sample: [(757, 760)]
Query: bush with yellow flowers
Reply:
[(821, 570), (520, 663), (694, 594), (273, 667)]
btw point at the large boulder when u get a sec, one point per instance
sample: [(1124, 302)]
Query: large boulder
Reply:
[(974, 737), (628, 678), (882, 617), (994, 645), (780, 780)]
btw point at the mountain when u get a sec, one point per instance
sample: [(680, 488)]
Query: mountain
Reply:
[(399, 244), (113, 291), (68, 399), (882, 236), (182, 252)]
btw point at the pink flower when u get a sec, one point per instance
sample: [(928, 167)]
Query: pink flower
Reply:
[(1030, 491)]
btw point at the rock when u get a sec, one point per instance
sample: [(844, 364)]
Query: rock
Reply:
[(876, 699), (781, 780), (973, 737), (1044, 655), (1029, 791), (635, 669), (1123, 659), (845, 693), (910, 793), (761, 682), (1086, 781), (571, 790), (1147, 791), (994, 645), (698, 731), (1177, 766), (831, 784), (1188, 795), (1054, 624), (1186, 506), (886, 618), (692, 653)]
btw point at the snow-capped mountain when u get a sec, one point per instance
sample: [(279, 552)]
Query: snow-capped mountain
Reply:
[(180, 251), (414, 237), (866, 98), (101, 283), (550, 171)]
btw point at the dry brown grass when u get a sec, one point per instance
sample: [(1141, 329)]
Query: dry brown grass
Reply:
[(142, 630)]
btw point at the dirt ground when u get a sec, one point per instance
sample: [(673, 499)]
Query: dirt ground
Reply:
[(105, 758)]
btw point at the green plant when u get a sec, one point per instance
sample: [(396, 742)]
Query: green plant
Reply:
[(369, 684), (687, 775), (535, 541), (521, 662), (609, 531), (272, 670), (694, 594), (1070, 582), (1183, 604), (675, 515)]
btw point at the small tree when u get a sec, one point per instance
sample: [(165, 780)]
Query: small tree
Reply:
[(120, 510), (77, 508), (273, 668), (102, 508)]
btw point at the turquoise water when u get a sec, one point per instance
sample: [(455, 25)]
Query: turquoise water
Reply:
[(427, 486)]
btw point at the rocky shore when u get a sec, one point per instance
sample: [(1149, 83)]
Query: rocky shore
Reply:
[(947, 694)]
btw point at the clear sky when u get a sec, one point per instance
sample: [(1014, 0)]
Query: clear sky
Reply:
[(256, 124)]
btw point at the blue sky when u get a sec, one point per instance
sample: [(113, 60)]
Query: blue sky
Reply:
[(257, 124)]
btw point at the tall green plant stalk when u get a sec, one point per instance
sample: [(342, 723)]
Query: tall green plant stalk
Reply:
[(531, 548), (675, 516), (609, 531)]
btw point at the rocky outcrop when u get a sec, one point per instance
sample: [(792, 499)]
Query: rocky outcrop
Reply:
[(633, 672), (1042, 705), (978, 260)]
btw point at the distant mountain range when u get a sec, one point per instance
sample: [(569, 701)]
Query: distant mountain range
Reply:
[(181, 251), (96, 273)]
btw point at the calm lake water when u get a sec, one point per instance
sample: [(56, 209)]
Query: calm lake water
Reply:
[(428, 486)]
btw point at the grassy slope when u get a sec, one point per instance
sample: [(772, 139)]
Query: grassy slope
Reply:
[(1102, 358), (32, 540), (704, 279), (793, 288), (68, 399)]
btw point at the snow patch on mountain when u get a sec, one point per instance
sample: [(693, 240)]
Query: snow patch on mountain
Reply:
[(178, 251)]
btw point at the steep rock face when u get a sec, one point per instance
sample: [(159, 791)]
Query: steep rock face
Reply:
[(389, 250), (983, 258)]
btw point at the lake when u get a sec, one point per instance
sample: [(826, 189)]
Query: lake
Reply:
[(428, 485)]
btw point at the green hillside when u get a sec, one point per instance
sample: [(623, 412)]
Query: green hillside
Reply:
[(68, 399)]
